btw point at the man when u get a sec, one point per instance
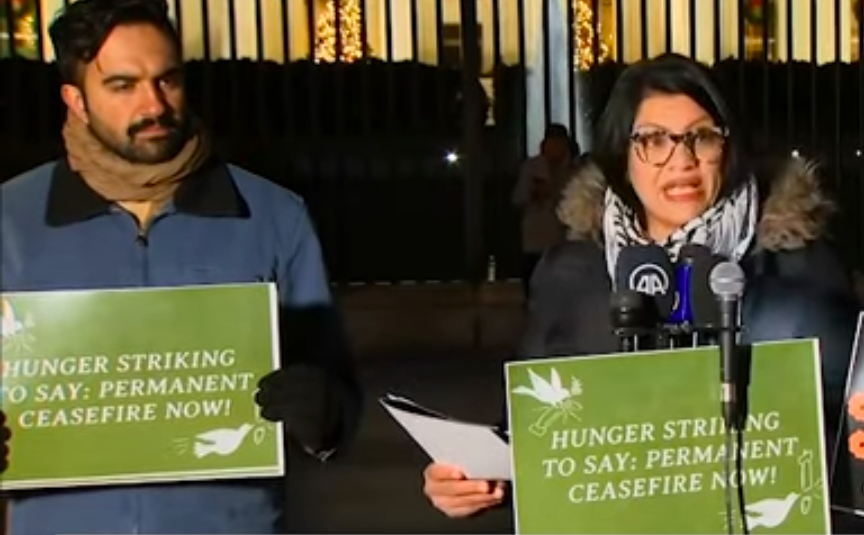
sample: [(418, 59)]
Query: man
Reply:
[(536, 196), (140, 200)]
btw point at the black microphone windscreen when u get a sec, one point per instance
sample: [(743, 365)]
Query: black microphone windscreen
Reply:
[(694, 251), (629, 310), (706, 313), (646, 269)]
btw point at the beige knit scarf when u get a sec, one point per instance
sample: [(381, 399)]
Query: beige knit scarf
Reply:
[(119, 180)]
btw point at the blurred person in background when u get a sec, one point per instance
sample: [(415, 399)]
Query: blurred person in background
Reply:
[(537, 193)]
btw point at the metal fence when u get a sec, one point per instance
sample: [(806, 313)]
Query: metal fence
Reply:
[(406, 140)]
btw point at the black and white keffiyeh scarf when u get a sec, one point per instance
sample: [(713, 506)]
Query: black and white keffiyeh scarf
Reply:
[(727, 228)]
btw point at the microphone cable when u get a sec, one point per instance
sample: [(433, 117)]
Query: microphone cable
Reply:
[(734, 444), (739, 472), (739, 480), (727, 474)]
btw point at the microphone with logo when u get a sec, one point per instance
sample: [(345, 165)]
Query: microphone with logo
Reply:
[(727, 283), (682, 312), (681, 319), (695, 312), (647, 271)]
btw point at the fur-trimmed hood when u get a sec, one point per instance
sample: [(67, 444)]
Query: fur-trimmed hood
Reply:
[(794, 209)]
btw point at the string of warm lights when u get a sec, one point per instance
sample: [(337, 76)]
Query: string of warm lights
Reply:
[(351, 35), (584, 29), (350, 42)]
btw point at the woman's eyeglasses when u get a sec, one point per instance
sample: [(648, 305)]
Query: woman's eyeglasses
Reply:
[(655, 147)]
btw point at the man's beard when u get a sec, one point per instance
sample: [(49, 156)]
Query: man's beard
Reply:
[(145, 151)]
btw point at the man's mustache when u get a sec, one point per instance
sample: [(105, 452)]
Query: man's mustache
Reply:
[(165, 121)]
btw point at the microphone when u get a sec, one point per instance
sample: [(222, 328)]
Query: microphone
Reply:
[(703, 315), (630, 318), (727, 283), (682, 312), (646, 269)]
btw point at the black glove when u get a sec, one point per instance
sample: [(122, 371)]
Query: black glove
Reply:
[(303, 399), (5, 435)]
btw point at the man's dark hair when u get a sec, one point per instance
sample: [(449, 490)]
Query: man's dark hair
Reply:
[(557, 130), (81, 28), (667, 74)]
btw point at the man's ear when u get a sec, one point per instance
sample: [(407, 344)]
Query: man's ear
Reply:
[(74, 100)]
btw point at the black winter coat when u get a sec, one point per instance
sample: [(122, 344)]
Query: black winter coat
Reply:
[(797, 287)]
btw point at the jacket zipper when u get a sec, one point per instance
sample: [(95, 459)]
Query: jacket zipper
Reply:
[(143, 243)]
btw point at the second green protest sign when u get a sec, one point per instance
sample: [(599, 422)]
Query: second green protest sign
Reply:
[(129, 386), (635, 443)]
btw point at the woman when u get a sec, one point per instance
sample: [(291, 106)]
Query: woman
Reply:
[(668, 168)]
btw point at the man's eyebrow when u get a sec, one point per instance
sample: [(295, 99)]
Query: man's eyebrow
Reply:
[(114, 78), (171, 72), (125, 77)]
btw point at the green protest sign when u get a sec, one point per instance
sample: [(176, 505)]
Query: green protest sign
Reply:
[(847, 481), (635, 443), (138, 385)]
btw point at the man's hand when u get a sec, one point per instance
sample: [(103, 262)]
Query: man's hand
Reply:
[(457, 497), (300, 396), (5, 435)]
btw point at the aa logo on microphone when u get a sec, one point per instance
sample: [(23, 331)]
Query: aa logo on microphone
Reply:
[(649, 279)]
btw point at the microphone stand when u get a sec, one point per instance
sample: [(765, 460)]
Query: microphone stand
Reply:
[(672, 336), (630, 317), (729, 371), (727, 283), (631, 339), (736, 421), (628, 341), (664, 339), (726, 338)]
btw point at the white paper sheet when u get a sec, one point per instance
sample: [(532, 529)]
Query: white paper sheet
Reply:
[(478, 449)]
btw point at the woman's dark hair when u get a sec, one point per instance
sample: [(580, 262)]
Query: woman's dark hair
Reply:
[(669, 74), (81, 28)]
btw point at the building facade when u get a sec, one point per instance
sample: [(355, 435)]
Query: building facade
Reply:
[(509, 31)]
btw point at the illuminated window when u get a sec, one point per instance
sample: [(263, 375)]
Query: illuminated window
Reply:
[(451, 44), (20, 35), (760, 29), (857, 15)]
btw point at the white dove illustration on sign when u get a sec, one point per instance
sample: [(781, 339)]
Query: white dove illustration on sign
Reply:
[(9, 324), (771, 512), (559, 401), (220, 441)]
